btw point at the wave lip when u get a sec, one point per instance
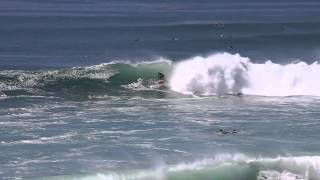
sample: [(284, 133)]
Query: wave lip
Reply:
[(103, 78)]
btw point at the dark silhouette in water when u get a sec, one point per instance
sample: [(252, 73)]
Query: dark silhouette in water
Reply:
[(230, 47), (175, 39), (161, 78), (223, 131)]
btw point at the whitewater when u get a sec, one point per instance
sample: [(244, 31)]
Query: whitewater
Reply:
[(232, 74), (80, 97), (216, 74), (244, 168)]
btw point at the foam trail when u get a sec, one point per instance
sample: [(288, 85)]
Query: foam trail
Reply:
[(226, 73)]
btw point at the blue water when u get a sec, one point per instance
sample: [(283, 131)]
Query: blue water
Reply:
[(79, 97), (74, 33)]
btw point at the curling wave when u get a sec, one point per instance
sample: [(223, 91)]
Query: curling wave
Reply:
[(223, 167), (216, 74), (104, 78)]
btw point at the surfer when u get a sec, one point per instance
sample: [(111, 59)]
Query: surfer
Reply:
[(224, 131), (161, 78)]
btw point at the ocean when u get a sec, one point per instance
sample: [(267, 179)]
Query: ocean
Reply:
[(80, 98)]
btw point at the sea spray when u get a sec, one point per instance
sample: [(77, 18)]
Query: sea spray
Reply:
[(271, 79), (226, 73), (221, 167), (216, 74)]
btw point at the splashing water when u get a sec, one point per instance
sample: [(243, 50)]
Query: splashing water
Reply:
[(216, 74), (232, 74)]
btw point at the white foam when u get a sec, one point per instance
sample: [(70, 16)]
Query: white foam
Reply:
[(275, 175), (157, 61), (45, 140), (216, 74), (231, 74), (283, 80), (280, 168)]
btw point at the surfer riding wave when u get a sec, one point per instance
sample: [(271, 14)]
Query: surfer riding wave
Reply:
[(161, 79)]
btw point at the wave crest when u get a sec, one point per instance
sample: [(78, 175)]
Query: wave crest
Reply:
[(216, 74), (104, 78), (222, 167)]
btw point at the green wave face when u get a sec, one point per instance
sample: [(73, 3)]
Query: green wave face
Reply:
[(291, 168), (83, 81)]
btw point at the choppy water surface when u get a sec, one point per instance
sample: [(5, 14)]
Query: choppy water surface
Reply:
[(79, 97), (47, 136)]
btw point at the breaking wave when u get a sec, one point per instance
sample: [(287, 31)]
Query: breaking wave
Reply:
[(216, 74), (103, 78), (232, 74), (222, 167)]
